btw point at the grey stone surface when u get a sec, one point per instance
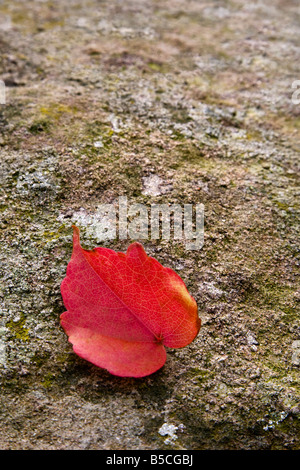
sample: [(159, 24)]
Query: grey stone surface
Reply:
[(99, 97)]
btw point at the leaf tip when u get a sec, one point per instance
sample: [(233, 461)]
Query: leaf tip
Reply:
[(76, 235), (137, 251)]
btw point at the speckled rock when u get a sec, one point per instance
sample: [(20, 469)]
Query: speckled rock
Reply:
[(164, 102)]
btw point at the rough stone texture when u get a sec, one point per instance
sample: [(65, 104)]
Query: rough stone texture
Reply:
[(163, 101)]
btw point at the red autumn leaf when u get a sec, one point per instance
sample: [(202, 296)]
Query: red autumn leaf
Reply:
[(123, 309)]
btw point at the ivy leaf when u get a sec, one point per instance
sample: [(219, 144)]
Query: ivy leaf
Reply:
[(123, 309)]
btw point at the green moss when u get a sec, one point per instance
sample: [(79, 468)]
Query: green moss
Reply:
[(253, 134), (53, 23), (158, 67), (48, 380), (48, 116), (286, 207), (55, 234), (18, 329), (276, 295), (40, 359), (56, 110), (177, 135), (190, 153), (199, 375), (97, 129), (40, 125), (272, 294)]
